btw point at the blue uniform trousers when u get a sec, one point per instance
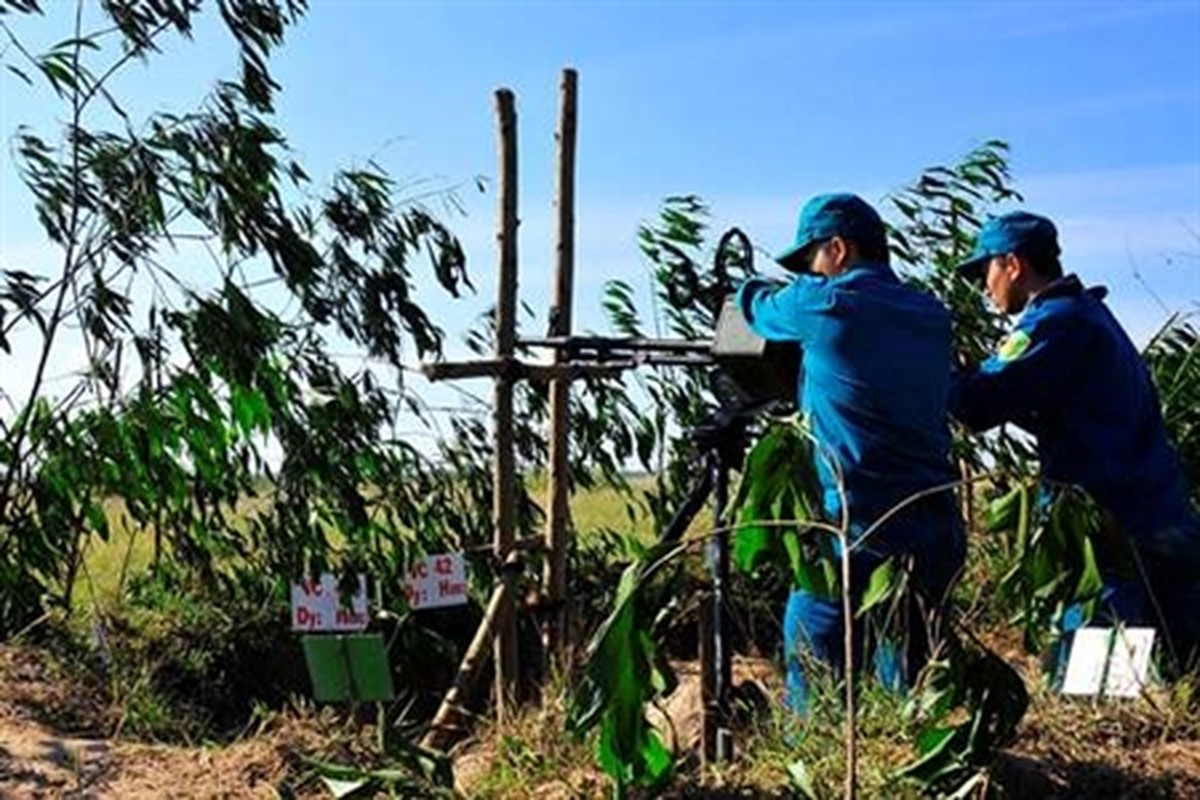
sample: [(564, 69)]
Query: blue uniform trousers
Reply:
[(1160, 589), (814, 630)]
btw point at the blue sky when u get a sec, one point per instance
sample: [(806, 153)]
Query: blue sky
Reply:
[(753, 106), (756, 106)]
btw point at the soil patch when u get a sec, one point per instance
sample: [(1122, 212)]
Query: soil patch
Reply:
[(54, 744)]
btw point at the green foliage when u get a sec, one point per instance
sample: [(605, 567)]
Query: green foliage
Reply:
[(217, 413), (1049, 538), (967, 705), (967, 702), (624, 670), (1173, 356), (939, 215), (690, 279), (189, 384), (183, 664), (411, 772), (778, 494), (1053, 539)]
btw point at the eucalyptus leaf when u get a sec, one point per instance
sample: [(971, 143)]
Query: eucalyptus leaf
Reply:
[(801, 780), (623, 671), (882, 586)]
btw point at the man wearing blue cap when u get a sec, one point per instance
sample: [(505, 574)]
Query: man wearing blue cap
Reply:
[(1069, 375), (873, 387)]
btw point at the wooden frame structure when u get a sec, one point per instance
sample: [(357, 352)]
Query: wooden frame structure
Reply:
[(498, 629)]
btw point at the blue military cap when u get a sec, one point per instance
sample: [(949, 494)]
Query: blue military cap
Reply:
[(1015, 232), (829, 215)]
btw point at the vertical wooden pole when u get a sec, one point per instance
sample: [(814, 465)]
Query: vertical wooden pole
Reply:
[(966, 496), (554, 578), (504, 468)]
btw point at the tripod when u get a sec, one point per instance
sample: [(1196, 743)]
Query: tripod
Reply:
[(721, 440)]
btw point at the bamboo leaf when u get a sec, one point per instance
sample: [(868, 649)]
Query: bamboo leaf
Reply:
[(884, 582), (801, 780)]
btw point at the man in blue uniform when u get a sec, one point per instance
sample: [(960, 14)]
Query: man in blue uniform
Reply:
[(873, 387), (1069, 375)]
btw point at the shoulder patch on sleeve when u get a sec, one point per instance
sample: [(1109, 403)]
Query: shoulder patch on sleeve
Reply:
[(1013, 346)]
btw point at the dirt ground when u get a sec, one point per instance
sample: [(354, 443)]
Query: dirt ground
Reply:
[(56, 742), (1074, 748)]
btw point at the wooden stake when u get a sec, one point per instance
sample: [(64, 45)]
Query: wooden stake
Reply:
[(966, 496), (554, 578), (448, 721), (504, 474)]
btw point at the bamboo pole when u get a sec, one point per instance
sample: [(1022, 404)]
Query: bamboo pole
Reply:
[(447, 722), (504, 466), (554, 578), (967, 496)]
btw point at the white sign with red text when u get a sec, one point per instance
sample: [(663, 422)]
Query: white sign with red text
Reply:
[(436, 581), (318, 606)]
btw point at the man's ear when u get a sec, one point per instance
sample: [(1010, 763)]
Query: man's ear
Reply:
[(1017, 267), (840, 251)]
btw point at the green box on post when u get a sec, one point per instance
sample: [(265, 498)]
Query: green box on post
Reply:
[(348, 667)]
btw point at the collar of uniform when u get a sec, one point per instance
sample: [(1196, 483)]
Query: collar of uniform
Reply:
[(1068, 286), (869, 268)]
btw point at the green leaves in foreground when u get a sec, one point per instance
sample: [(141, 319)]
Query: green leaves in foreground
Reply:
[(413, 772), (1052, 537), (1173, 356), (623, 671), (778, 494), (1053, 534), (966, 680)]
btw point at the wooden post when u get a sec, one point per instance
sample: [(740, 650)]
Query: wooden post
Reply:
[(448, 721), (504, 466), (967, 496), (554, 579)]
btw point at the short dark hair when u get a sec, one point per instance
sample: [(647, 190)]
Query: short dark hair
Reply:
[(874, 250), (1043, 263)]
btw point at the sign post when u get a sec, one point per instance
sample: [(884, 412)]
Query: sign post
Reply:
[(317, 606), (343, 663)]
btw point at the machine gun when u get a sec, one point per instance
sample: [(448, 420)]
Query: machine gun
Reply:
[(747, 370), (748, 376)]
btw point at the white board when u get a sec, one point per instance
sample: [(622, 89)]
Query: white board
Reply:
[(317, 606), (1114, 662), (436, 581)]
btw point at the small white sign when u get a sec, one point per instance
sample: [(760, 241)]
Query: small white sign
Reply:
[(317, 606), (436, 581), (1114, 662)]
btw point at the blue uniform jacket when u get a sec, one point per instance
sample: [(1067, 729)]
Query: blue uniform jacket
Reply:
[(873, 385), (1069, 375)]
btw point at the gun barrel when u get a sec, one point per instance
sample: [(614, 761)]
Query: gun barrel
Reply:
[(615, 345)]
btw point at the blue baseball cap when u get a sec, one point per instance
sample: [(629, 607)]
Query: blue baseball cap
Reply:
[(1015, 232), (829, 215)]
